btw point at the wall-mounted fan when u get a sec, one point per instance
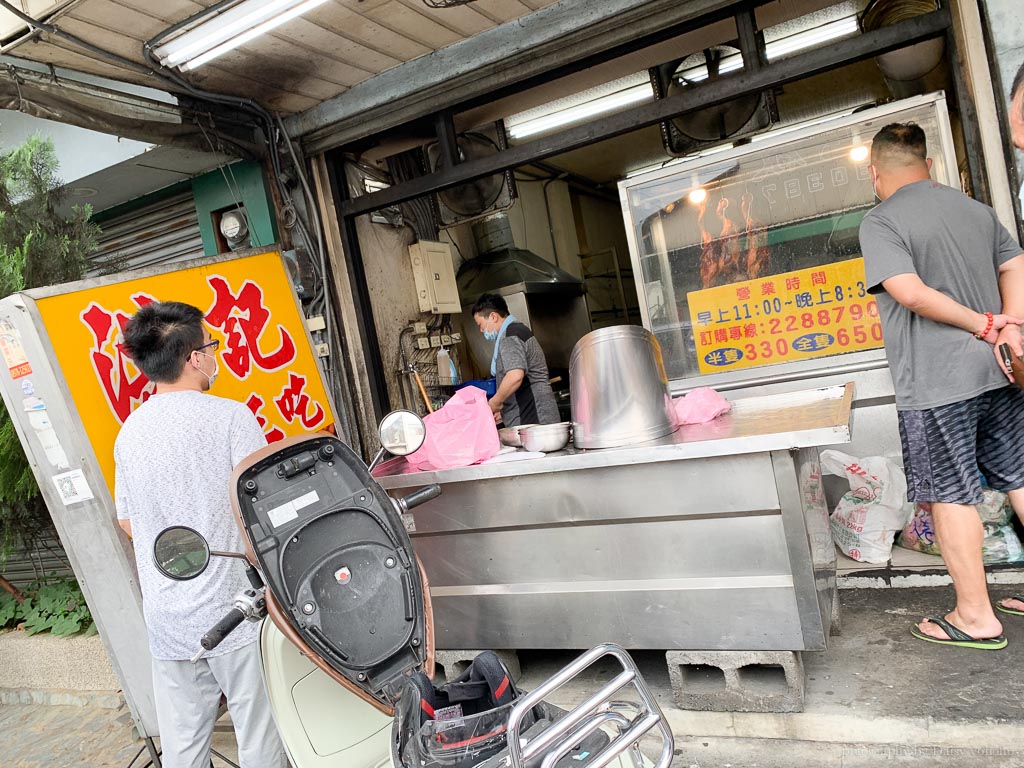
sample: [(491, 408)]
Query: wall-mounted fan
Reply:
[(733, 119), (473, 199)]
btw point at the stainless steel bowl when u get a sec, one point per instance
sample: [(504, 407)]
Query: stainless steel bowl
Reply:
[(510, 435), (619, 389), (545, 438)]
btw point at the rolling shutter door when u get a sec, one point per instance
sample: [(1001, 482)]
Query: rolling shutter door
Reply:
[(159, 234)]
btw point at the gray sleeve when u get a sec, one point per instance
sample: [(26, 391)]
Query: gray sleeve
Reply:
[(885, 252), (513, 354), (246, 436), (1006, 245)]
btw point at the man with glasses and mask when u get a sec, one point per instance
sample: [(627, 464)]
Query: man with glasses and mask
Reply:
[(174, 458), (949, 280)]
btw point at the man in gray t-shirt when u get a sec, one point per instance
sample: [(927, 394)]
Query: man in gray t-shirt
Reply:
[(173, 462), (949, 281)]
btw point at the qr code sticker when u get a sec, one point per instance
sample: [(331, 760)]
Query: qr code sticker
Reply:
[(72, 487), (66, 487)]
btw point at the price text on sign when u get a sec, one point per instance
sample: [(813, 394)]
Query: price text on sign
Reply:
[(798, 315)]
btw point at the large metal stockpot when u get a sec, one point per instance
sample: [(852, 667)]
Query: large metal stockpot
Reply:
[(619, 389)]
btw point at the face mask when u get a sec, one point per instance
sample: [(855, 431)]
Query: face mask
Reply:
[(874, 188), (490, 335), (1020, 195), (216, 369)]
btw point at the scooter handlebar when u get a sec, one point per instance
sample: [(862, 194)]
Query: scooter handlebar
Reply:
[(222, 629), (421, 496)]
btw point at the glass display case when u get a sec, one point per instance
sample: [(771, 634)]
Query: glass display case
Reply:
[(747, 260)]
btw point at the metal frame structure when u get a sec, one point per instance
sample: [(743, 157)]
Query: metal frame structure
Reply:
[(757, 76), (598, 712), (727, 565), (698, 97)]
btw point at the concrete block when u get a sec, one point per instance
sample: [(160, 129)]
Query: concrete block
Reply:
[(455, 662), (737, 681), (836, 628)]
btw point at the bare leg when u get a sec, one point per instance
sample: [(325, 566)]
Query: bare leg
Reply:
[(1017, 501), (960, 533)]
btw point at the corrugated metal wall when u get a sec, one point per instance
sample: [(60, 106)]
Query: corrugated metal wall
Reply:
[(46, 559), (162, 233)]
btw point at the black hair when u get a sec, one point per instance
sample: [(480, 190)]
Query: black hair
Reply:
[(490, 302), (1018, 84), (902, 141), (160, 338)]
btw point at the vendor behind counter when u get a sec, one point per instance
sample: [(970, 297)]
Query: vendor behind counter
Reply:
[(524, 395)]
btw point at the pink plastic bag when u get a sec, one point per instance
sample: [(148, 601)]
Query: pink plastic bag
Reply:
[(700, 406), (460, 433)]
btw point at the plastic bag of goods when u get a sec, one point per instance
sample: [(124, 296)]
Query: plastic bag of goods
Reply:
[(1000, 545), (700, 406), (460, 433), (869, 515)]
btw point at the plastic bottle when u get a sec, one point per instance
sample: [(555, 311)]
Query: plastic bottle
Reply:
[(447, 375)]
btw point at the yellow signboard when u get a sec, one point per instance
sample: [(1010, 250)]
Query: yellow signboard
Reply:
[(798, 315), (264, 357)]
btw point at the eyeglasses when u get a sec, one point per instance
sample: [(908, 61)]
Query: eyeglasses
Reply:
[(214, 345)]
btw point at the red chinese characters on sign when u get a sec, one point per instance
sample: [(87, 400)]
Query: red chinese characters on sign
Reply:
[(243, 318), (293, 403), (122, 389), (245, 322), (255, 404)]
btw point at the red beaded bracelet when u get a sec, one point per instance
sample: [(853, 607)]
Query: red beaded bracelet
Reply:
[(988, 326)]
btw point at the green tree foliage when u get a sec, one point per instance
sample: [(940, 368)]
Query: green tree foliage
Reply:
[(39, 245)]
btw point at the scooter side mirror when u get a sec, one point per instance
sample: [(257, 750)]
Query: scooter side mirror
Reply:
[(402, 433), (181, 553)]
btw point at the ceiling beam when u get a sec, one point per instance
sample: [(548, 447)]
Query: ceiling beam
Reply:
[(567, 32), (690, 99)]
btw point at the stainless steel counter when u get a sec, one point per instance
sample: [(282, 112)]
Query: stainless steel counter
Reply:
[(714, 538)]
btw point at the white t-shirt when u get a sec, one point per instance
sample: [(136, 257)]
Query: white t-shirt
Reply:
[(174, 458)]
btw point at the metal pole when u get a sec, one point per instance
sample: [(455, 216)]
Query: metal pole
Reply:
[(360, 290)]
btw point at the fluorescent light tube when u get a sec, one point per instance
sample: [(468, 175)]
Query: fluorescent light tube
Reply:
[(230, 29), (812, 37), (633, 95), (556, 115)]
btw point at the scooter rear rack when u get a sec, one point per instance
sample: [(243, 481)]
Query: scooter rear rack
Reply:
[(596, 712)]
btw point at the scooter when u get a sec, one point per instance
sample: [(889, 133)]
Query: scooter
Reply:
[(347, 654)]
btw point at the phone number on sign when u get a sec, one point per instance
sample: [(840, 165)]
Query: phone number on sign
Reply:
[(834, 329)]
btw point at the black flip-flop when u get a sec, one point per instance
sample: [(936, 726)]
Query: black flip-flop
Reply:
[(1003, 609), (958, 637)]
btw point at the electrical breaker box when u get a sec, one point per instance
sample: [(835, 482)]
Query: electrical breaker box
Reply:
[(434, 272)]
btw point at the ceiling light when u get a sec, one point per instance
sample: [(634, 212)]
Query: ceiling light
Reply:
[(812, 38), (698, 196), (230, 29), (859, 154), (776, 50), (574, 114), (637, 88)]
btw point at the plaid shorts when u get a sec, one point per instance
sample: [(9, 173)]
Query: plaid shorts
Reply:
[(944, 447)]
